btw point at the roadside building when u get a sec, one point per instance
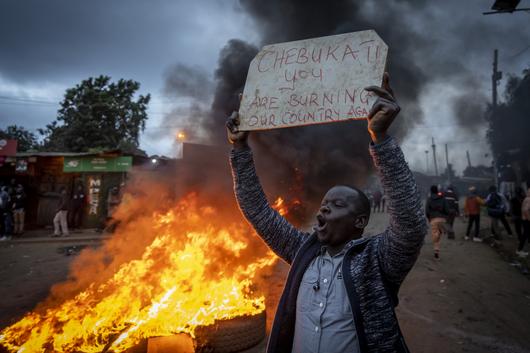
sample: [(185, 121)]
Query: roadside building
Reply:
[(44, 174)]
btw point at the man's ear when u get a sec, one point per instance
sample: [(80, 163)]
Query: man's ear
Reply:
[(361, 221)]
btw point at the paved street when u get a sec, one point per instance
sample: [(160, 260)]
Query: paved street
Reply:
[(475, 299)]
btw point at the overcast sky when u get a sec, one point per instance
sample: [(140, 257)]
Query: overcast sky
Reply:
[(48, 46)]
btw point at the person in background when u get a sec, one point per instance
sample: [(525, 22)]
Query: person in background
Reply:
[(454, 210), (60, 220), (525, 221), (437, 211), (497, 209), (77, 206), (507, 211), (472, 212), (12, 187), (19, 210), (516, 203), (5, 214), (113, 201)]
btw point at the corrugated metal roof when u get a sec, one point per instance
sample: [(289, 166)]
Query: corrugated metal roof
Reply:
[(55, 154)]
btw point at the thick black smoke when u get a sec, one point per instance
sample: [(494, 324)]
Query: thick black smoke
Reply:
[(325, 155), (189, 82), (428, 43), (230, 77), (469, 110), (193, 85)]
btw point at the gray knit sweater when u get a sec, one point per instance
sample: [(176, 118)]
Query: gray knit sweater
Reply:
[(373, 269)]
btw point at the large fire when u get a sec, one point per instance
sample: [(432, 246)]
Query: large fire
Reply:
[(284, 207), (198, 268)]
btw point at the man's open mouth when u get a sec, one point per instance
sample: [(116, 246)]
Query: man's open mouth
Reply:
[(321, 223)]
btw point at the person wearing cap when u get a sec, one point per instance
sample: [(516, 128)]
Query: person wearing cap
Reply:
[(437, 211), (472, 206)]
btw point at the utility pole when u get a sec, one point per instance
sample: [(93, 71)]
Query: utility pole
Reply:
[(426, 161), (495, 78), (447, 164), (468, 159), (434, 157), (446, 157)]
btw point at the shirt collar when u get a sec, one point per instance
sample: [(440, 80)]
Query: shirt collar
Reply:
[(324, 248)]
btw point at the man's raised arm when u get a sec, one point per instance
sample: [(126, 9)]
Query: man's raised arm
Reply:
[(281, 236), (402, 241)]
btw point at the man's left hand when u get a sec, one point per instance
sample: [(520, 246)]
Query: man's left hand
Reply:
[(383, 112)]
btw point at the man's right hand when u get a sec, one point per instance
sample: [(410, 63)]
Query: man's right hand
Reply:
[(237, 138)]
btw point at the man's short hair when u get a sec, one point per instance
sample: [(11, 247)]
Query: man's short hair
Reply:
[(362, 203), (493, 188), (434, 189)]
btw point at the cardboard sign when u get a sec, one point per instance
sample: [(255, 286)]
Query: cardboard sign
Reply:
[(313, 81)]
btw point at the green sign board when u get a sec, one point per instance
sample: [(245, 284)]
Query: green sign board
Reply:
[(97, 164)]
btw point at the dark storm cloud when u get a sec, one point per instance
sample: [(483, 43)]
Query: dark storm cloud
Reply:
[(68, 40), (430, 42), (48, 46)]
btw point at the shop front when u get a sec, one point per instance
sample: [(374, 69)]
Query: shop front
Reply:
[(98, 175)]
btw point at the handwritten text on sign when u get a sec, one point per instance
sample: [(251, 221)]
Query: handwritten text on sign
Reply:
[(313, 81)]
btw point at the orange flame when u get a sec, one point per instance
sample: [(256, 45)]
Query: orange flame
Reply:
[(279, 205), (284, 207), (192, 274)]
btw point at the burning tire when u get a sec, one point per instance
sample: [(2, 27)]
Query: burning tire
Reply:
[(224, 336), (233, 335)]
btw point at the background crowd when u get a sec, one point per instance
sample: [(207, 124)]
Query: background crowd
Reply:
[(68, 213), (442, 207)]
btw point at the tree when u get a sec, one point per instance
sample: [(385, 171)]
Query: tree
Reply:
[(509, 123), (26, 140), (98, 114)]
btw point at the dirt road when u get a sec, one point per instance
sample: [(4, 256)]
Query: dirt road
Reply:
[(471, 300)]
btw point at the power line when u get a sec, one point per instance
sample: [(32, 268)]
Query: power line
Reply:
[(28, 104), (518, 53), (28, 100), (32, 104), (37, 101)]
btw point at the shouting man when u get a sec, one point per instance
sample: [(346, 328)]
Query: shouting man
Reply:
[(342, 288)]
